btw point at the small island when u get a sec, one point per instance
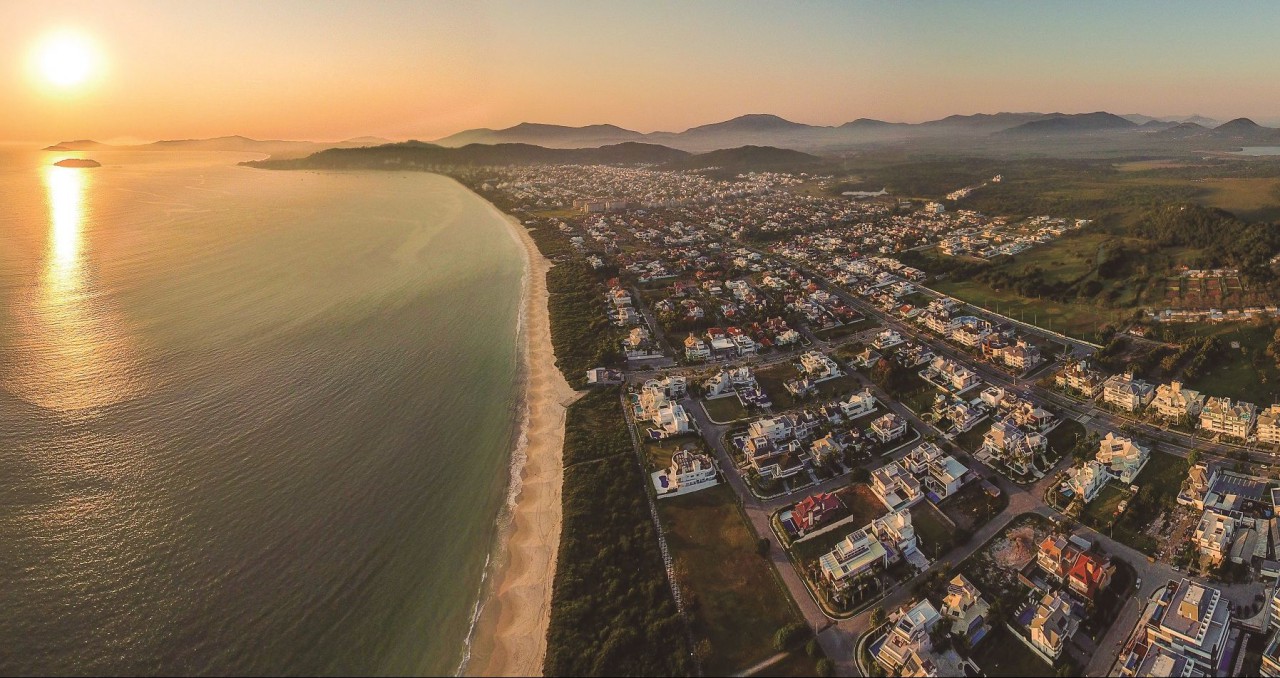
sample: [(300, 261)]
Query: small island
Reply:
[(78, 162)]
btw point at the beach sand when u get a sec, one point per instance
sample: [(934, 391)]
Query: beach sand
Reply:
[(511, 635)]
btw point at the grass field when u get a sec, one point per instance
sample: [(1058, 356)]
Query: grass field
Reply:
[(659, 452), (1078, 320), (737, 601), (1064, 436), (1250, 375), (841, 331), (1256, 199), (971, 440), (1000, 654), (725, 410), (863, 507), (1102, 509), (1162, 477), (934, 533), (972, 507)]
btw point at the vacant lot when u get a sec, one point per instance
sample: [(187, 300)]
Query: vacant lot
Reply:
[(935, 535), (725, 410), (1155, 506), (1000, 654), (972, 507), (737, 601)]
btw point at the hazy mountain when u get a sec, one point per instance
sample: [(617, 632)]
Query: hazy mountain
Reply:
[(988, 122), (550, 136), (1182, 130), (1244, 130), (420, 155), (748, 158), (1100, 121), (368, 141), (76, 145), (1154, 125)]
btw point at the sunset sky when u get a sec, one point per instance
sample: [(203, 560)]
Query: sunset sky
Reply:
[(333, 70)]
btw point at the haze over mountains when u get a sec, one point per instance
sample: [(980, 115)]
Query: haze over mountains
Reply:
[(772, 130), (995, 133)]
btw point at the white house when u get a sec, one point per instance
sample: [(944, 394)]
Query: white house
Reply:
[(818, 366), (1088, 480), (695, 349), (895, 488), (1176, 403), (1123, 458), (858, 404), (689, 472), (888, 427), (1052, 626), (1127, 393), (886, 339), (946, 476)]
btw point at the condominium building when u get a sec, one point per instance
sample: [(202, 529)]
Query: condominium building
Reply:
[(1182, 632), (1175, 403), (1221, 415), (1269, 425), (1127, 393), (1087, 481)]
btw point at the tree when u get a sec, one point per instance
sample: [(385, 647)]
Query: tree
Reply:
[(877, 616), (762, 546), (812, 648), (1193, 457), (824, 667)]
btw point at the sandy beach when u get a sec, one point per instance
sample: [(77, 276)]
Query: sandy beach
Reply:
[(511, 635)]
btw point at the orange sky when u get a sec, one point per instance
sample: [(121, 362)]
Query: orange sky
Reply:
[(333, 70)]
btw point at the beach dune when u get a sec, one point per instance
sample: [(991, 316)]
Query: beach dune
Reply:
[(511, 634)]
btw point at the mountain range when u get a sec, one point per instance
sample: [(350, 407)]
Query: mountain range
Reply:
[(273, 147), (772, 130)]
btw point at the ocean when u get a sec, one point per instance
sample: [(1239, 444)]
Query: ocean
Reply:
[(251, 422)]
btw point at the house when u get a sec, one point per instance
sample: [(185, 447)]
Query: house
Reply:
[(966, 608), (946, 476), (1007, 443), (906, 649), (1021, 356), (858, 404), (1175, 403), (1090, 574), (695, 349), (1123, 458), (888, 427), (1126, 393), (1182, 631), (895, 488), (1200, 477), (1213, 535), (885, 540), (819, 367), (1087, 481), (1271, 653), (671, 420), (917, 461), (603, 376), (867, 358), (813, 511), (1052, 626), (1269, 425), (776, 429), (886, 339), (950, 374), (1056, 555), (826, 449), (1220, 415), (689, 472), (1077, 377), (771, 459)]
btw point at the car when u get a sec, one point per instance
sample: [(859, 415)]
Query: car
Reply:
[(1138, 584)]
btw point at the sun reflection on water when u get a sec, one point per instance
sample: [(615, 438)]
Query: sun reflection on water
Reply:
[(72, 351)]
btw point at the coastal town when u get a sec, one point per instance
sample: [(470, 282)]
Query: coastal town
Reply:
[(933, 488)]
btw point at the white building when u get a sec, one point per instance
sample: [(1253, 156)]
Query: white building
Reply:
[(858, 404), (689, 472), (1126, 393), (1269, 425), (1088, 480), (1122, 457), (888, 427), (1175, 403), (1052, 626), (1182, 630), (886, 339), (1220, 415), (896, 488), (818, 366), (1214, 534)]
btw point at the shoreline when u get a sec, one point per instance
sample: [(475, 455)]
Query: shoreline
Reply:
[(509, 637)]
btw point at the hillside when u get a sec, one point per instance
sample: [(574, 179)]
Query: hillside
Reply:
[(1100, 121), (749, 158), (419, 155), (550, 136)]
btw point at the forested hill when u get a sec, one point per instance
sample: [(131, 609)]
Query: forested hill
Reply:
[(418, 154)]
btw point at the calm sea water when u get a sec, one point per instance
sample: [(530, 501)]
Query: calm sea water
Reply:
[(250, 422), (1259, 150)]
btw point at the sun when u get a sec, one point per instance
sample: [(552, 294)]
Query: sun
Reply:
[(66, 59)]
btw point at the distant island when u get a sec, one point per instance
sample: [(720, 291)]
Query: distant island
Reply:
[(78, 162)]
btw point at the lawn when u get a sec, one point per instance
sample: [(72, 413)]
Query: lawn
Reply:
[(842, 331), (735, 596), (1000, 654), (1158, 486), (972, 507), (1250, 374), (920, 401), (725, 410), (1078, 320), (935, 534), (1102, 509), (971, 440), (1064, 436), (773, 380), (864, 507)]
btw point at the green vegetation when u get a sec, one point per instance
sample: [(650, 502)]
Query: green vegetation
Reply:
[(724, 410), (734, 597), (1102, 510), (611, 608), (1000, 654), (934, 532), (1157, 499)]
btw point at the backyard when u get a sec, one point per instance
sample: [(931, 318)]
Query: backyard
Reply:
[(737, 601), (1154, 509)]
